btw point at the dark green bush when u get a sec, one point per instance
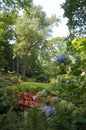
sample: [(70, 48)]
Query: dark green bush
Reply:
[(11, 121), (3, 82), (23, 78), (43, 78), (5, 102)]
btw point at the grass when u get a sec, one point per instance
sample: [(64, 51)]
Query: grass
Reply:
[(31, 86)]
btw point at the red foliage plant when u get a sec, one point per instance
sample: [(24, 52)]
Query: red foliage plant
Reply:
[(29, 100), (49, 97)]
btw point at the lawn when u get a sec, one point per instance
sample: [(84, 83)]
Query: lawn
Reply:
[(31, 86)]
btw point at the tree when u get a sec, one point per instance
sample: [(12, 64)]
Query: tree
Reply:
[(9, 10), (6, 34), (75, 11), (55, 46), (10, 5), (32, 29), (77, 50)]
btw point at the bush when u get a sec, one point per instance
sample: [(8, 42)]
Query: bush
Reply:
[(23, 78), (43, 78), (11, 121), (14, 79), (62, 58), (3, 82), (5, 102)]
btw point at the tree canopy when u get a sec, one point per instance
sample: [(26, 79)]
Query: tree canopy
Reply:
[(75, 11), (32, 30), (6, 5), (9, 10)]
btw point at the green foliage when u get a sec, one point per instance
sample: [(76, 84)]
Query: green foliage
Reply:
[(71, 88), (77, 50), (23, 78), (75, 12), (6, 34), (31, 43), (3, 83), (34, 54), (5, 102), (71, 84), (37, 119), (11, 121), (79, 45), (14, 5), (69, 114), (43, 78), (8, 14), (30, 86), (14, 79)]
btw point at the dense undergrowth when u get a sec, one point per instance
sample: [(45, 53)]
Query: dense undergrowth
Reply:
[(68, 103)]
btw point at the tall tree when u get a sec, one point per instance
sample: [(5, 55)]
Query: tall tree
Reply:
[(9, 9), (6, 34), (75, 11), (32, 29), (55, 46), (6, 5)]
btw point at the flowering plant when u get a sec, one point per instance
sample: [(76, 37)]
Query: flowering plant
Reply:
[(62, 58), (49, 111), (42, 93), (29, 100)]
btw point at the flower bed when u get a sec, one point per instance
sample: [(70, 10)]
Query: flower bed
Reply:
[(27, 100)]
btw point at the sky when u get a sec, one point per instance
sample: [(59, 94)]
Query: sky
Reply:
[(53, 7)]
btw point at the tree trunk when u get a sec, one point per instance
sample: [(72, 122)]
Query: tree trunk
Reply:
[(24, 65), (18, 65)]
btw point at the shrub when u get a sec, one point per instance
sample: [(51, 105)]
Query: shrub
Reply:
[(5, 102), (11, 121), (27, 100), (62, 58), (14, 79), (43, 78), (53, 81), (3, 82), (23, 78)]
